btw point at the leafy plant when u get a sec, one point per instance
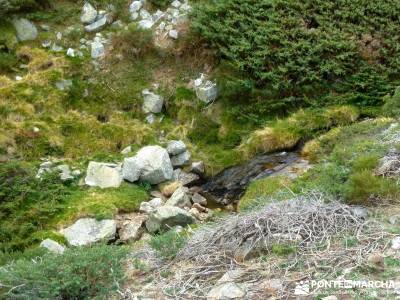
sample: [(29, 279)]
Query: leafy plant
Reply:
[(80, 273)]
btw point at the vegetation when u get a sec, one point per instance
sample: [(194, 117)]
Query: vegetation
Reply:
[(168, 244), (309, 52), (81, 273)]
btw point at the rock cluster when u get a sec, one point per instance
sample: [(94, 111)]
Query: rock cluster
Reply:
[(56, 166), (166, 21)]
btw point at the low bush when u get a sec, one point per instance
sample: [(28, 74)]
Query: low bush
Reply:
[(391, 105), (168, 244), (80, 273)]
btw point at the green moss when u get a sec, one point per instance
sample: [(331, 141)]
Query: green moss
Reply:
[(263, 188), (282, 250), (204, 131)]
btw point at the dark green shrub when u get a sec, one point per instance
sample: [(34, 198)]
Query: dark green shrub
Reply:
[(160, 3), (11, 6), (167, 244), (27, 204), (392, 104), (80, 273), (204, 131), (309, 51)]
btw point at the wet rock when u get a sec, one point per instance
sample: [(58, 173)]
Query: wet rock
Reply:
[(155, 164), (181, 159), (87, 231), (103, 175), (176, 147), (26, 30), (89, 14), (131, 169), (52, 246), (180, 198), (166, 217), (152, 103)]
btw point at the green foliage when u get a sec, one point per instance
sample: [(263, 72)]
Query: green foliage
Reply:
[(168, 244), (392, 104), (160, 3), (282, 250), (324, 52), (27, 204), (11, 6), (80, 273), (204, 131)]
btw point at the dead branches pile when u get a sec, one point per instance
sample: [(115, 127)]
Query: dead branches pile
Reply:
[(308, 224)]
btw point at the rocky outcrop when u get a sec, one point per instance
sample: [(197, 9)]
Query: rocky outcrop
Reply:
[(87, 231), (103, 175), (166, 217), (52, 246)]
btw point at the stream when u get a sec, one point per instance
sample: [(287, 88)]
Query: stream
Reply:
[(229, 185)]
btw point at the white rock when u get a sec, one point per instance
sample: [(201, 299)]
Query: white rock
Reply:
[(52, 246), (225, 291), (71, 52), (207, 92), (126, 150), (87, 231), (180, 198), (64, 84), (155, 164), (135, 6), (144, 14), (65, 172), (161, 26), (56, 48), (184, 178), (152, 103), (173, 34), (97, 50), (131, 169), (18, 78), (46, 44), (176, 147), (166, 217), (157, 16), (145, 24), (103, 175), (181, 159), (176, 4), (198, 167), (26, 30), (45, 27), (98, 25), (134, 16), (156, 202), (150, 118), (59, 36), (89, 14), (396, 243), (146, 207), (185, 7)]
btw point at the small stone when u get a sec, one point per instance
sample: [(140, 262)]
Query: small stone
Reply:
[(176, 4), (156, 202), (199, 199), (144, 14), (207, 92), (87, 231), (56, 48), (132, 229), (134, 16), (59, 36), (152, 103), (71, 52), (131, 169), (135, 6), (198, 167), (64, 84), (227, 290), (394, 220), (126, 150), (45, 27), (103, 175), (199, 207), (173, 34), (52, 246), (146, 207), (166, 217), (46, 44), (150, 118), (89, 14), (176, 147), (179, 198), (185, 178), (35, 129), (145, 24), (97, 50), (396, 243), (181, 159), (18, 78), (359, 212), (99, 24)]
